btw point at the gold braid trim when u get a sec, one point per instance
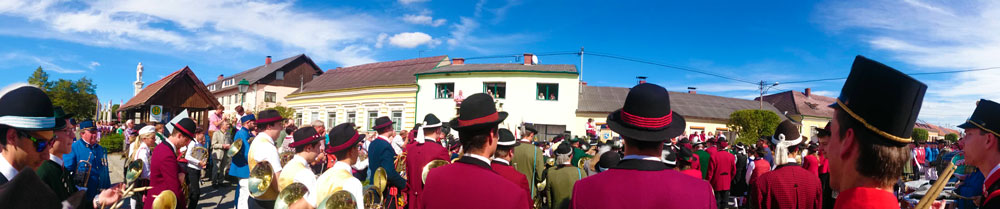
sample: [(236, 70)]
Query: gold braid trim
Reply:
[(871, 127), (984, 128)]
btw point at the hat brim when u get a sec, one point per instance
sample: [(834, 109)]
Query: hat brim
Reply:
[(60, 124), (501, 116), (675, 128), (301, 143), (384, 125), (181, 130), (967, 125), (361, 138)]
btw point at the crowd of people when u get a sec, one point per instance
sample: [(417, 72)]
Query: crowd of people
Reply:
[(856, 161)]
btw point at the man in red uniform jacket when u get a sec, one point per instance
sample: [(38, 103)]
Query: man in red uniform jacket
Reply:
[(874, 114), (471, 182), (980, 144), (789, 185), (164, 172), (642, 179), (722, 165), (501, 162), (423, 150)]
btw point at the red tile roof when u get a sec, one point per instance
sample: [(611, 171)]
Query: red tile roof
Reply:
[(183, 76), (374, 74), (797, 103)]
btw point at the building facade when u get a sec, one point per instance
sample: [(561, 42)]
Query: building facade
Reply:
[(269, 83), (809, 110)]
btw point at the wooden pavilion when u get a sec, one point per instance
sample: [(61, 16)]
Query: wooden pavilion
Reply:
[(176, 92)]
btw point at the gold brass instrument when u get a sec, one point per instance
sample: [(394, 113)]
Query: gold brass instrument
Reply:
[(83, 172), (431, 165), (935, 190), (379, 180), (260, 179), (234, 148), (293, 192), (285, 157), (455, 160), (199, 153), (400, 165), (373, 193), (165, 200), (550, 162), (132, 173), (338, 200)]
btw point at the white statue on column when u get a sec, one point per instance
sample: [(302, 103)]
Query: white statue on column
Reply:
[(138, 79)]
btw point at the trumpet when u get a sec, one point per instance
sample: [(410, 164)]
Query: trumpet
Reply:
[(431, 165), (293, 192), (260, 179), (165, 200), (338, 200)]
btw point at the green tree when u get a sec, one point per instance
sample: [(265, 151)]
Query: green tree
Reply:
[(749, 125), (40, 78), (114, 110), (77, 97), (284, 111), (920, 135), (952, 137)]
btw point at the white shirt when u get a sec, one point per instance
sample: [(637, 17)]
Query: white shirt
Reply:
[(143, 155), (57, 159), (306, 177), (987, 176), (643, 157), (502, 160), (192, 161), (480, 158), (7, 169), (353, 185), (264, 150)]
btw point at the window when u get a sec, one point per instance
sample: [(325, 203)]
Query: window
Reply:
[(352, 118), (270, 97), (331, 119), (279, 75), (211, 87), (298, 119), (227, 83), (372, 115), (444, 90), (548, 91), (315, 117), (397, 116), (548, 132), (497, 90)]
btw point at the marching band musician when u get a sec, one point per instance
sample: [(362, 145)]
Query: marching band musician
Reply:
[(164, 172), (238, 167), (382, 155), (529, 160), (501, 162), (146, 139), (872, 124), (194, 167), (52, 171), (342, 142), (788, 185), (980, 146), (561, 177), (470, 181), (641, 179), (262, 149), (425, 149), (93, 174), (307, 146)]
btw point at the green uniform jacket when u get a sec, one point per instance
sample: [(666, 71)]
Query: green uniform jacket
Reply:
[(577, 154), (528, 160), (704, 161), (560, 182), (57, 178)]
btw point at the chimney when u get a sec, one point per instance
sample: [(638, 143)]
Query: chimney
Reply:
[(529, 59), (220, 77), (692, 90), (642, 79), (267, 61), (458, 61), (583, 83), (808, 91)]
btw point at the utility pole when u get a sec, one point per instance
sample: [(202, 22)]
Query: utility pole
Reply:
[(580, 83), (763, 90)]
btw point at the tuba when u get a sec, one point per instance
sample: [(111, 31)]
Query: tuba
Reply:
[(431, 165), (293, 192), (165, 200), (338, 200), (260, 179)]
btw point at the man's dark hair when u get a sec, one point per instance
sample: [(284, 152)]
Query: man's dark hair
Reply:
[(430, 130), (343, 153), (475, 139), (3, 130), (303, 147), (878, 157), (642, 145)]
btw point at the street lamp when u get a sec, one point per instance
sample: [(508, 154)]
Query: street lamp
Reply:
[(244, 85)]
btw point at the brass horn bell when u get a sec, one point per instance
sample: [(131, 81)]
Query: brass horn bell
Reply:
[(431, 165), (291, 193), (339, 200), (260, 179)]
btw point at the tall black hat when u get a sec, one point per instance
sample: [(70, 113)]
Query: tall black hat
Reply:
[(986, 117), (27, 107), (563, 148), (882, 99), (477, 112), (646, 115)]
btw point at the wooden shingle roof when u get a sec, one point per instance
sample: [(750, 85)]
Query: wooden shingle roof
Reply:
[(181, 89)]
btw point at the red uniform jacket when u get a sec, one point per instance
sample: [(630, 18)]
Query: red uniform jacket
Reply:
[(991, 191), (163, 172), (760, 166), (418, 155), (471, 183), (824, 164), (811, 164), (642, 184), (788, 186), (508, 172), (722, 166), (864, 197), (693, 173)]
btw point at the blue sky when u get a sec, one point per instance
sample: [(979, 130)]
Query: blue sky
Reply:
[(780, 42)]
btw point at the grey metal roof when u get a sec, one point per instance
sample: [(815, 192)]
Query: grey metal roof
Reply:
[(254, 74), (558, 68), (608, 99)]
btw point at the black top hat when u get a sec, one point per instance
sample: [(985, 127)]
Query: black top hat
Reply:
[(268, 116), (563, 148), (27, 107), (477, 112), (305, 136), (382, 122), (882, 99), (341, 137), (186, 126), (507, 139), (431, 121), (986, 117), (646, 115), (60, 114)]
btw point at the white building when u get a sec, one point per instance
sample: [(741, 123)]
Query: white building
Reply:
[(269, 83), (541, 95)]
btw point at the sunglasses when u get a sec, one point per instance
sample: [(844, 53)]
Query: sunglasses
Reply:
[(40, 144)]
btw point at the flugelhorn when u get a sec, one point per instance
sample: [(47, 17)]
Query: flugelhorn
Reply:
[(165, 200), (339, 200), (431, 165), (291, 193), (260, 179)]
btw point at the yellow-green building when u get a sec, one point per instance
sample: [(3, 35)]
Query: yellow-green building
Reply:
[(809, 110)]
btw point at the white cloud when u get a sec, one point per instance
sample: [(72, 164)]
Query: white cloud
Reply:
[(47, 63), (465, 35), (931, 36), (423, 20), (411, 39), (195, 25), (412, 1), (381, 40), (93, 65)]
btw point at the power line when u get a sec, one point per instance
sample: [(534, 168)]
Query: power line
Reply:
[(911, 74), (689, 69)]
